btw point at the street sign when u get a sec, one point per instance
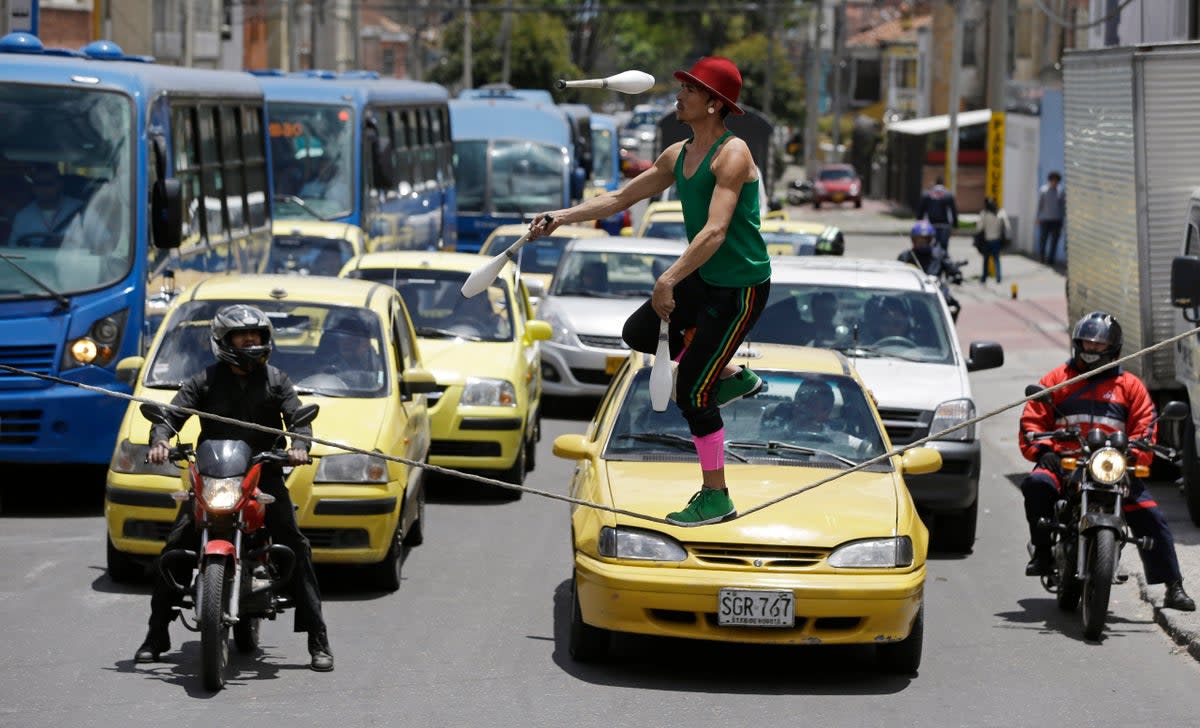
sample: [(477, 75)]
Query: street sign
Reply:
[(993, 186)]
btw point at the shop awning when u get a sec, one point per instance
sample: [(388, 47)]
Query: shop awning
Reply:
[(930, 124)]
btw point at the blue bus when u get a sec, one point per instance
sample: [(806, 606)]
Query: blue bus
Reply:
[(512, 160), (121, 181), (606, 168), (366, 151)]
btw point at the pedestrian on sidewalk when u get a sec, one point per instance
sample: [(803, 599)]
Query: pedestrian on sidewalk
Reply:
[(994, 224), (938, 207), (1051, 211)]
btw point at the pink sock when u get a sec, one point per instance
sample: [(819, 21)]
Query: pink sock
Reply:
[(711, 449)]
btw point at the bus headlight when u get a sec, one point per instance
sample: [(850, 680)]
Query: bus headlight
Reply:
[(99, 345), (351, 468), (1107, 466)]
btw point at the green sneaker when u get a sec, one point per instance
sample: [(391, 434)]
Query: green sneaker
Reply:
[(743, 384), (709, 505)]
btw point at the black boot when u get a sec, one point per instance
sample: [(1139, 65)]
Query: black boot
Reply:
[(1177, 598), (158, 641), (318, 647), (1042, 563)]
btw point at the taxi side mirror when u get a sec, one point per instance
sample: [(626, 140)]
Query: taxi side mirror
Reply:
[(920, 460), (418, 381), (627, 232), (538, 330), (573, 447), (129, 368)]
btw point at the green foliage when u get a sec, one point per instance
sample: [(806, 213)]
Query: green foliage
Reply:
[(538, 56)]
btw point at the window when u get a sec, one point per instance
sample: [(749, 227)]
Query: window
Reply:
[(970, 36)]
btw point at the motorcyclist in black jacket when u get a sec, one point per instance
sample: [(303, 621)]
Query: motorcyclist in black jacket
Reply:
[(241, 386), (931, 258)]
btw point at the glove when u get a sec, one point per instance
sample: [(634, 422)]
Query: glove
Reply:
[(1049, 460)]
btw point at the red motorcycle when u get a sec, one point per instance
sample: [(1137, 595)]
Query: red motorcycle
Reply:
[(238, 574)]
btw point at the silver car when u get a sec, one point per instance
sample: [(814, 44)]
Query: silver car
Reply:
[(599, 282)]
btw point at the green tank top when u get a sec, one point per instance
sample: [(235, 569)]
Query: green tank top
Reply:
[(742, 260)]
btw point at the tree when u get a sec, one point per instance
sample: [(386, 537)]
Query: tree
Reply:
[(538, 49)]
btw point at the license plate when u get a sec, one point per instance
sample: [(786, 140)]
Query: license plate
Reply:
[(612, 364), (838, 197), (756, 608)]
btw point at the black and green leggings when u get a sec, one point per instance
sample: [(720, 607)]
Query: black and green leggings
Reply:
[(721, 317)]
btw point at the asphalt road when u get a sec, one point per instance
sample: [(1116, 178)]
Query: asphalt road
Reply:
[(476, 636)]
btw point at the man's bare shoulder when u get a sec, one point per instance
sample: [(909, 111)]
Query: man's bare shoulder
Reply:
[(734, 161)]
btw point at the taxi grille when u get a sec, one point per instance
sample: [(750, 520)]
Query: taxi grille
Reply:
[(603, 342), (904, 426), (757, 557)]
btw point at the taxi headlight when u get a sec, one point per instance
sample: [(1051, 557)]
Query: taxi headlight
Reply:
[(1107, 465), (351, 468), (481, 392), (131, 458), (634, 543), (874, 553), (221, 494), (951, 413)]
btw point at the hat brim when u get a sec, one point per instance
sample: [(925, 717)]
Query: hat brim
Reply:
[(685, 76)]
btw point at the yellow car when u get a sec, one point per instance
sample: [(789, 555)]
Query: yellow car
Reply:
[(313, 247), (484, 353), (539, 258), (842, 563), (797, 237), (347, 346), (661, 220)]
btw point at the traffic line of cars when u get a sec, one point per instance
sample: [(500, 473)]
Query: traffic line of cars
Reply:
[(403, 365)]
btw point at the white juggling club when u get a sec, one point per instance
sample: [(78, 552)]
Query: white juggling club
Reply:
[(483, 276), (660, 372), (627, 82)]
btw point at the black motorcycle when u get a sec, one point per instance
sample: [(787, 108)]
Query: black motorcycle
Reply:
[(1088, 529)]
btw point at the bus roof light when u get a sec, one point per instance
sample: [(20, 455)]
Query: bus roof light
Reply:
[(266, 72), (103, 50), (21, 43)]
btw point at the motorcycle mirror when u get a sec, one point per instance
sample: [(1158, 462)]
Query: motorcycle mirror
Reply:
[(153, 412), (1096, 438), (1118, 440), (1174, 410), (305, 415), (1033, 389)]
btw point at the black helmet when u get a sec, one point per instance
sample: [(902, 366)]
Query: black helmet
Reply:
[(240, 317), (1101, 328)]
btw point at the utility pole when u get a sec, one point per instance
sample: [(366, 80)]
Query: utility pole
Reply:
[(997, 80), (839, 43), (506, 43), (955, 93), (812, 99), (467, 80), (769, 86)]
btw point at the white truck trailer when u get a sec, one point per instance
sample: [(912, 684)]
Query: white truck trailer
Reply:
[(1132, 152)]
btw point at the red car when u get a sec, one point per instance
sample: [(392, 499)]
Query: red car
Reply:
[(837, 183)]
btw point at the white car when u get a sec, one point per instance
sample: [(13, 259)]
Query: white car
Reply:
[(891, 320), (598, 283)]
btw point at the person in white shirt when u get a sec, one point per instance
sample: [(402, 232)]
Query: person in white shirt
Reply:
[(996, 228), (42, 222)]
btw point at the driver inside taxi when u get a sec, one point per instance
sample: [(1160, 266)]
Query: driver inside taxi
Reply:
[(893, 320)]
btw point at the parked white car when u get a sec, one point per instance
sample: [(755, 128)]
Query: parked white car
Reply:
[(892, 322), (599, 282)]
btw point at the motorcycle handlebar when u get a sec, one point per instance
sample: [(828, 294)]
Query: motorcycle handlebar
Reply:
[(272, 456)]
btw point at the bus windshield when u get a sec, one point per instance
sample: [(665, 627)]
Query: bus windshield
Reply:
[(312, 159), (65, 190), (602, 149), (526, 177)]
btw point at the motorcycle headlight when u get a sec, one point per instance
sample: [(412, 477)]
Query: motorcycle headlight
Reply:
[(131, 458), (949, 414), (874, 553), (481, 392), (1107, 465), (633, 543), (221, 494), (560, 330), (351, 468)]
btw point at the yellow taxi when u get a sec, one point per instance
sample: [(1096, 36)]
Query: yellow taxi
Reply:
[(348, 346), (661, 220), (840, 563), (799, 237), (313, 247), (538, 258), (484, 353)]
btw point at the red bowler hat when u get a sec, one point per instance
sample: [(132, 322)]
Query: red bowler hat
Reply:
[(719, 77)]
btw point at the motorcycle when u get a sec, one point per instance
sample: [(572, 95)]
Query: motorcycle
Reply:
[(238, 574), (939, 265), (1088, 530)]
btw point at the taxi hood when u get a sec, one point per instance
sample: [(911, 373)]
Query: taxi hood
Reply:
[(859, 505), (452, 360), (356, 421)]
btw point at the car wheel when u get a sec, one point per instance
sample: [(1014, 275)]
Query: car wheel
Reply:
[(416, 532), (122, 568), (386, 574), (514, 475), (531, 451), (858, 203), (955, 532), (585, 643), (904, 657)]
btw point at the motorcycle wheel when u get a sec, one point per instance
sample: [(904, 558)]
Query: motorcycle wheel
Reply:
[(245, 634), (1097, 583), (214, 633)]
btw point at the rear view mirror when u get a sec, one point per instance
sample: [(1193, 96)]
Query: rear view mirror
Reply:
[(305, 415), (155, 413), (1033, 389), (1185, 285), (166, 213), (1174, 410), (418, 381), (984, 355)]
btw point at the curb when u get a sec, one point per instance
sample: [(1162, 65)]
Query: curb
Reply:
[(1169, 621)]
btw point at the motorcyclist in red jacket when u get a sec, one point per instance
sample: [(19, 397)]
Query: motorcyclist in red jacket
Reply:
[(1112, 400)]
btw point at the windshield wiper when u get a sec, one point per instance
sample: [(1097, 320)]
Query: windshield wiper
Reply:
[(678, 441), (63, 301), (776, 445), (299, 202), (445, 333), (867, 352)]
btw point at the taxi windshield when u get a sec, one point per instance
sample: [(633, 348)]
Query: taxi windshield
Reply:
[(66, 191), (312, 160), (335, 351), (799, 418), (440, 311)]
